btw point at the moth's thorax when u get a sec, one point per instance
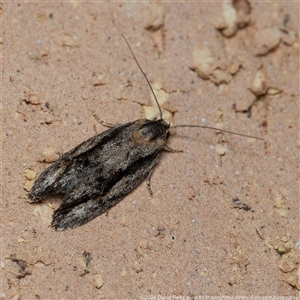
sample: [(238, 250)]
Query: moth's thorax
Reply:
[(149, 131)]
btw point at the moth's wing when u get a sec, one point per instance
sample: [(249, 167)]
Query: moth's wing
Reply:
[(69, 216), (72, 213), (46, 183)]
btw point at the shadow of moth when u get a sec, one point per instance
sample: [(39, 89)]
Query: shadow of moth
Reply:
[(98, 173)]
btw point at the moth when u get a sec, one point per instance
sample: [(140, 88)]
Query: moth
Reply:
[(98, 173)]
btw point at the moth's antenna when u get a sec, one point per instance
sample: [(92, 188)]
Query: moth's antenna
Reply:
[(160, 113), (222, 130), (177, 126)]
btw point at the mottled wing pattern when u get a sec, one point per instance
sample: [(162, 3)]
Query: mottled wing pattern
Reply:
[(97, 174)]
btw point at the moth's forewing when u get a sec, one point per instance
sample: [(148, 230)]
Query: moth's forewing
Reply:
[(72, 214), (50, 181)]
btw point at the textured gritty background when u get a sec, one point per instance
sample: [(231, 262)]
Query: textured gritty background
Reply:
[(231, 65)]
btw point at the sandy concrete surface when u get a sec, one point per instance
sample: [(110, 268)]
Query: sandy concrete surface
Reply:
[(224, 219)]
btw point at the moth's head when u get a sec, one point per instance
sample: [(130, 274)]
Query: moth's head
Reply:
[(152, 132)]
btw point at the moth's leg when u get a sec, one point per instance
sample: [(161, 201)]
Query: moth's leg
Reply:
[(149, 183), (167, 148), (106, 124), (149, 176)]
